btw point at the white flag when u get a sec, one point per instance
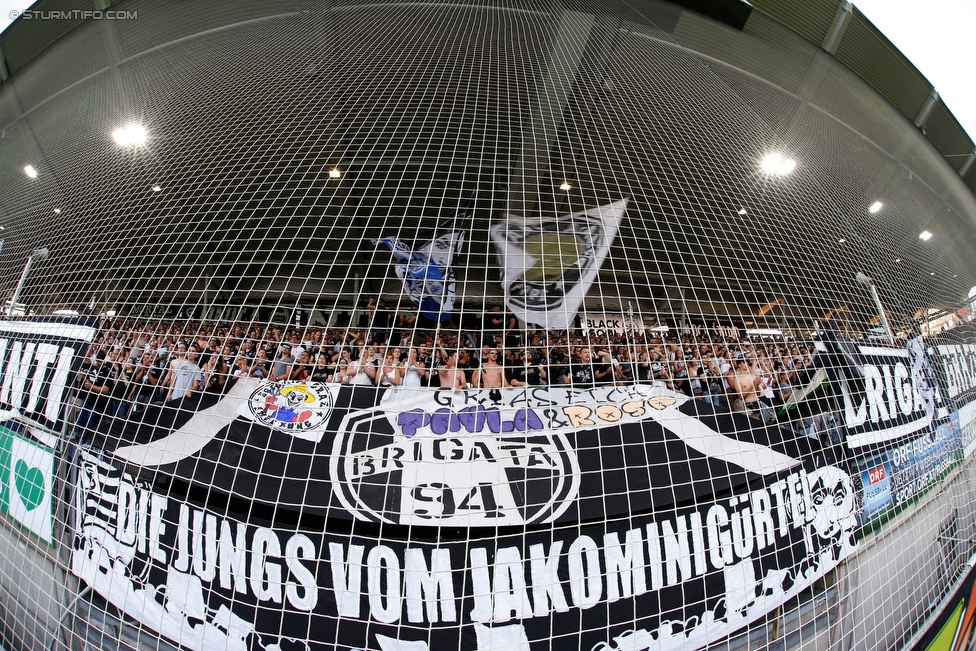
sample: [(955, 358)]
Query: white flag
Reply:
[(549, 263)]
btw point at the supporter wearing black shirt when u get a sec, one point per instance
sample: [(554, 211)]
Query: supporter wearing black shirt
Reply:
[(425, 357), (581, 372), (556, 363), (145, 380), (211, 351), (382, 320), (525, 373), (322, 370), (216, 375), (493, 325), (247, 349), (602, 368), (97, 387)]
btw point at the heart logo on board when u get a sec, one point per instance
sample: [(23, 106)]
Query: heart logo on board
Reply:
[(30, 484)]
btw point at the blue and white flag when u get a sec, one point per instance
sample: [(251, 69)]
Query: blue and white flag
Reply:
[(426, 273)]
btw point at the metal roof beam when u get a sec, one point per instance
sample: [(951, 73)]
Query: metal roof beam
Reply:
[(923, 115), (969, 161), (836, 31)]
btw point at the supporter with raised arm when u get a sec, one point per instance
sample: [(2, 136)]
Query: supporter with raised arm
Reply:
[(145, 380), (745, 385), (123, 368), (469, 364), (493, 324), (603, 367), (413, 373), (713, 386), (97, 385), (451, 377), (177, 354), (216, 375), (362, 372)]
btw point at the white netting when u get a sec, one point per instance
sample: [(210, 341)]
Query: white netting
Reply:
[(449, 326)]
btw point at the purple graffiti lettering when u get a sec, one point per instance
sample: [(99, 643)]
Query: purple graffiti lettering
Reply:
[(443, 421), (493, 419), (411, 421), (526, 419), (472, 418)]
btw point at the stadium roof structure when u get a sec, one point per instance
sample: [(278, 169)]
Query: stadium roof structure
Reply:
[(835, 25), (188, 234)]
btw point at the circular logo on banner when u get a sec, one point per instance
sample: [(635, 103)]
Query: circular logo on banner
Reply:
[(291, 406), (461, 480)]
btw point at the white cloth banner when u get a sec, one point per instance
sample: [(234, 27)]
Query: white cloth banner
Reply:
[(549, 263)]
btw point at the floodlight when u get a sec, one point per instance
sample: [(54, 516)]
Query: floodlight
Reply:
[(130, 135)]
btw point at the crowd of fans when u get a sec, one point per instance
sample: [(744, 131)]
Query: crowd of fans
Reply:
[(133, 364)]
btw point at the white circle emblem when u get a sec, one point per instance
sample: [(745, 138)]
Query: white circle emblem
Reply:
[(291, 406)]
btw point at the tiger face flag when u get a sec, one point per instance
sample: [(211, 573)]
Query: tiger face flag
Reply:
[(549, 263)]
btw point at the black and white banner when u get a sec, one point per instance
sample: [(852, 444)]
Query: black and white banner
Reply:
[(467, 458), (427, 519), (675, 579), (895, 393), (38, 362)]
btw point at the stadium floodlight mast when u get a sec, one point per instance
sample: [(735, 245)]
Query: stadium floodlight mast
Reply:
[(867, 282), (38, 254)]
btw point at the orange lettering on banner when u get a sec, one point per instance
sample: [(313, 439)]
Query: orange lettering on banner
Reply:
[(578, 416), (609, 413), (635, 408), (661, 402)]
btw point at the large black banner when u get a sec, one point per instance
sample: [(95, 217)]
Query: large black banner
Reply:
[(607, 518), (886, 394), (907, 415), (675, 579), (466, 458), (617, 517)]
